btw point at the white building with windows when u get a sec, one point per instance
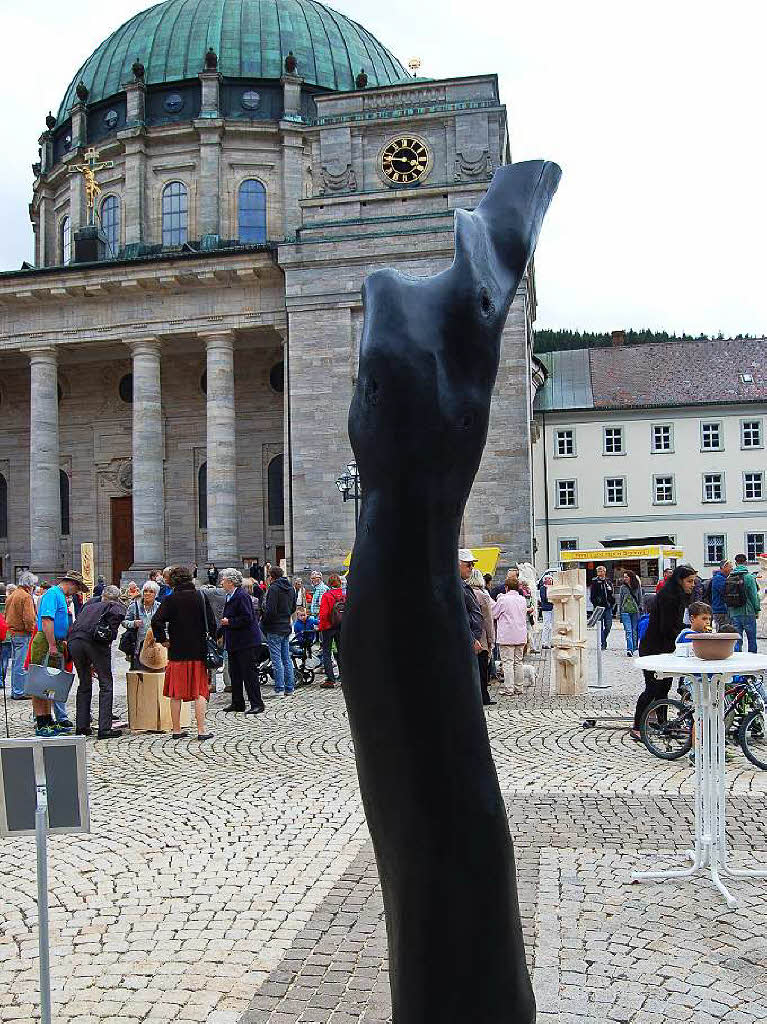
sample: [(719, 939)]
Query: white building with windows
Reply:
[(653, 441)]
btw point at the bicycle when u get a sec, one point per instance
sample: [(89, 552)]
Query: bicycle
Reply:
[(667, 725)]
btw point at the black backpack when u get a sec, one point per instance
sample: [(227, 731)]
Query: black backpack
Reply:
[(337, 612), (707, 591), (735, 590)]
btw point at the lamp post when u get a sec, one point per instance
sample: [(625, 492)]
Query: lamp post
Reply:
[(349, 486)]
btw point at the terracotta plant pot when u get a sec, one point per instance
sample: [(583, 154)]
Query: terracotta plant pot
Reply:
[(713, 646)]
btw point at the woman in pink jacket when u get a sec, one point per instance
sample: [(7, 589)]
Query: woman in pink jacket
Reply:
[(510, 614)]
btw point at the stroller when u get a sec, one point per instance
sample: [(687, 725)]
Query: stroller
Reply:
[(300, 652), (304, 676)]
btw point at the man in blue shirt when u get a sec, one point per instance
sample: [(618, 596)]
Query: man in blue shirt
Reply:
[(53, 625), (319, 589)]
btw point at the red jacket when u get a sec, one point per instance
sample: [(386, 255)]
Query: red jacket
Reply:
[(3, 627), (329, 598)]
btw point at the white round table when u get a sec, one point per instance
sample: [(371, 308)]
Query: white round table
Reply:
[(708, 680)]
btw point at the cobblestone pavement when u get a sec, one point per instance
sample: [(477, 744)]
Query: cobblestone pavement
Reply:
[(233, 882)]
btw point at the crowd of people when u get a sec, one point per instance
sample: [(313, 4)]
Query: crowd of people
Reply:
[(233, 623)]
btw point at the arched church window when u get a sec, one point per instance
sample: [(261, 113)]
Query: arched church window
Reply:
[(251, 212), (66, 241), (275, 487), (202, 496), (3, 506), (64, 495), (110, 224), (175, 213)]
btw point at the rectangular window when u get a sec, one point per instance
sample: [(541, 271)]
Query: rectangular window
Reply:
[(615, 490), (753, 486), (713, 486), (750, 433), (662, 437), (568, 544), (755, 546), (711, 436), (663, 490), (564, 443), (714, 548), (566, 494), (613, 441)]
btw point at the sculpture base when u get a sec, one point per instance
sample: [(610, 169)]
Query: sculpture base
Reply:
[(90, 245)]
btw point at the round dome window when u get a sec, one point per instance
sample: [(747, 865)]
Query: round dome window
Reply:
[(125, 388), (174, 102), (111, 118), (277, 378), (250, 100)]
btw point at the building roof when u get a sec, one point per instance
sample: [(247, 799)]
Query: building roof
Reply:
[(655, 375), (250, 37)]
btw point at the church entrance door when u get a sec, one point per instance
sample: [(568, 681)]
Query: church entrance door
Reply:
[(122, 536)]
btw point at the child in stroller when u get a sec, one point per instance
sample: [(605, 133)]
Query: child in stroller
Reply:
[(301, 643)]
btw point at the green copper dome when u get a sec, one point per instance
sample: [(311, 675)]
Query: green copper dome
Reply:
[(252, 39)]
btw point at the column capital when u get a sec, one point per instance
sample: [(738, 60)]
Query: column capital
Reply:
[(147, 346), (223, 338), (43, 354)]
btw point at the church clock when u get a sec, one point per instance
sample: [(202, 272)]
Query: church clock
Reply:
[(405, 160)]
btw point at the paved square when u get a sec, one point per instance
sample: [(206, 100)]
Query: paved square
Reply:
[(233, 882)]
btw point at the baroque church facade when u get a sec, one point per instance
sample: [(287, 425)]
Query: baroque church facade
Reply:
[(177, 366)]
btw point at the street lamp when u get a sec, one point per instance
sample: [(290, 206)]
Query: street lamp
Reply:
[(349, 486)]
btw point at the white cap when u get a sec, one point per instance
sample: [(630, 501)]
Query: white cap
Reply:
[(466, 555)]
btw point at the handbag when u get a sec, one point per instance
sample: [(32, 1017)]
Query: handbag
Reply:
[(129, 640), (48, 683), (213, 657)]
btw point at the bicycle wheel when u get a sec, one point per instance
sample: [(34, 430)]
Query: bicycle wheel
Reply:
[(308, 674), (753, 738), (666, 729)]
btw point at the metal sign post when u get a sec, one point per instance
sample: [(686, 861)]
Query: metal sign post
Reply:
[(43, 789), (41, 841)]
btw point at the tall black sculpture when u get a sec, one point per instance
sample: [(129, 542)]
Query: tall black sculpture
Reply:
[(418, 424)]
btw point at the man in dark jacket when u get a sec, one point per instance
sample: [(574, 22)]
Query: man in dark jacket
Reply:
[(90, 652), (474, 618), (664, 626), (602, 596), (242, 638), (718, 580), (277, 608)]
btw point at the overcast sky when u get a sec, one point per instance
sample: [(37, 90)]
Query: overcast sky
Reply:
[(655, 111)]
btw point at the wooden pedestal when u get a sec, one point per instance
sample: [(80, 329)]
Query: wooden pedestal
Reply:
[(148, 710)]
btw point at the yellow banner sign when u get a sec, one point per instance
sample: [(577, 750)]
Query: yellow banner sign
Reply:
[(487, 559), (620, 554)]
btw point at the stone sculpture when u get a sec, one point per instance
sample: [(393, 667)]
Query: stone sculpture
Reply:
[(568, 595), (418, 424)]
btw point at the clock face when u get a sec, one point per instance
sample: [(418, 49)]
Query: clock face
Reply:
[(405, 160)]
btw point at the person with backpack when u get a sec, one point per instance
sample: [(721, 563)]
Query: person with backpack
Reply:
[(276, 622), (602, 596), (332, 607), (714, 593), (742, 599), (90, 646), (630, 607)]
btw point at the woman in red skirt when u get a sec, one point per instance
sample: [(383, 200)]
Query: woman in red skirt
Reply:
[(180, 624)]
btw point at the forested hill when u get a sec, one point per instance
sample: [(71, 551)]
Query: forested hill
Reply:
[(556, 341)]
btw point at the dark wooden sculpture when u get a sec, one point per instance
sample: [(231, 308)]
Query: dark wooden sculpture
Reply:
[(418, 424)]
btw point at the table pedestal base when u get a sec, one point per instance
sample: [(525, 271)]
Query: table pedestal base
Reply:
[(710, 853)]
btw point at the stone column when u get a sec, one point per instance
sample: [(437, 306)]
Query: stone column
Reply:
[(44, 468), (222, 457), (148, 458), (134, 197), (287, 455)]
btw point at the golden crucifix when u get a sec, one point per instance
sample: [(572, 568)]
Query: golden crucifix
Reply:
[(88, 171)]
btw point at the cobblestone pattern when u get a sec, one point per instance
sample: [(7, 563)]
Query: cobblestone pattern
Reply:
[(234, 880)]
